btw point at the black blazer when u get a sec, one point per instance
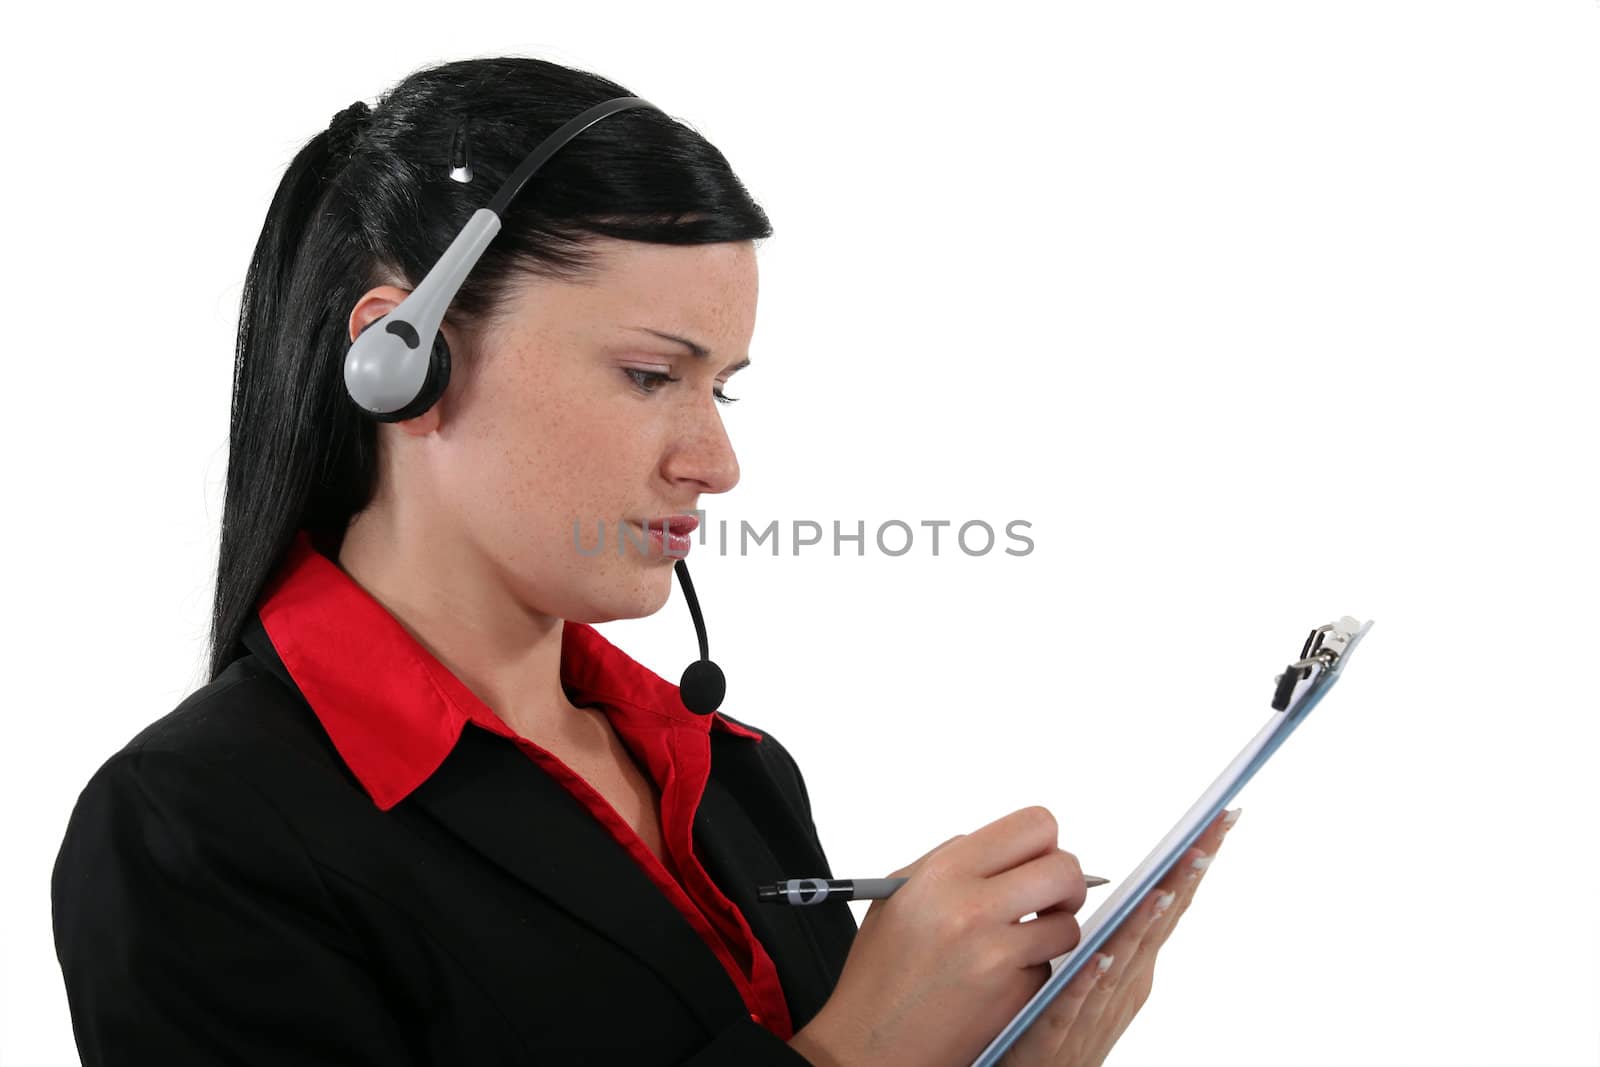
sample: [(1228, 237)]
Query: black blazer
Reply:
[(228, 893)]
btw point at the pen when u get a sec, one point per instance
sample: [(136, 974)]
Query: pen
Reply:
[(816, 890)]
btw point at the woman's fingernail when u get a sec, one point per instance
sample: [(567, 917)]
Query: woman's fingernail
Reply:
[(1104, 965), (1163, 902), (1200, 863), (1229, 818)]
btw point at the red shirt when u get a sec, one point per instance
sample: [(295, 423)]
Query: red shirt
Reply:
[(394, 712)]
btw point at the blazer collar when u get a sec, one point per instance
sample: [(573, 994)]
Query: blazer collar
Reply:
[(392, 710)]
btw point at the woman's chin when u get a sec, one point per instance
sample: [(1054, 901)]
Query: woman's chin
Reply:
[(641, 594)]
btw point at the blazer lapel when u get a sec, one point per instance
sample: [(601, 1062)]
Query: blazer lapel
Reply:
[(498, 801), (738, 858)]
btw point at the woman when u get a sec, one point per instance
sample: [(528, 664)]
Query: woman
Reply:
[(423, 812)]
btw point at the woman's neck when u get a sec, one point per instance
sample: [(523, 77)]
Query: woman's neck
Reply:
[(456, 607)]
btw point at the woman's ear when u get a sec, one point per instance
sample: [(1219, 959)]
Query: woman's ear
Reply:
[(374, 305)]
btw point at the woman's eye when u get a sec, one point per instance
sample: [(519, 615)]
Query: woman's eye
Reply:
[(647, 380)]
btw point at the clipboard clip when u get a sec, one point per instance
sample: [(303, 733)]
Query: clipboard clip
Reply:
[(1323, 648)]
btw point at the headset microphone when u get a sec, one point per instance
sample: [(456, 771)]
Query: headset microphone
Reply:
[(400, 364), (703, 686)]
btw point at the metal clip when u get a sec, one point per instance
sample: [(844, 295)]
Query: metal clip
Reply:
[(460, 159), (1323, 647)]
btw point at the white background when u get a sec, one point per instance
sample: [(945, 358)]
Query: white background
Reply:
[(1259, 313)]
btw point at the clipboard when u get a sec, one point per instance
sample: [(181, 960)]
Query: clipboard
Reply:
[(1299, 688)]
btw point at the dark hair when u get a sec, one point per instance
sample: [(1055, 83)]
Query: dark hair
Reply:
[(300, 453)]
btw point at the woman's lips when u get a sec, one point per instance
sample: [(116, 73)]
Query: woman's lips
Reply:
[(683, 525), (669, 534)]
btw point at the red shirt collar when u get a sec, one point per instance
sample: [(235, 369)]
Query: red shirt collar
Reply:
[(394, 711)]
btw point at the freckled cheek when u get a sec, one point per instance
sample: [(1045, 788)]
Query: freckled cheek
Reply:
[(557, 463), (580, 435)]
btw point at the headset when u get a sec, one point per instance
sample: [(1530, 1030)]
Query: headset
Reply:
[(391, 376)]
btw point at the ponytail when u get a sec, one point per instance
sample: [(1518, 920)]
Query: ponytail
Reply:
[(286, 433)]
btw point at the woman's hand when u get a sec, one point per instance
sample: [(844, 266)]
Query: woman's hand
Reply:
[(938, 968), (1079, 1026)]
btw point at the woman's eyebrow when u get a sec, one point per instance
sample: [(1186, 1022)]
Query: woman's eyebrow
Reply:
[(699, 351)]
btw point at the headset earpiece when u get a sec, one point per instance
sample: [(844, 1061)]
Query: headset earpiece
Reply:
[(388, 375), (434, 384)]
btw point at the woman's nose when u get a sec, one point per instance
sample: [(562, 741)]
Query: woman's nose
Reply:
[(704, 454)]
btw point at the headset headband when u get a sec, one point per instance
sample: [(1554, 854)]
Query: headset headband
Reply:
[(388, 372)]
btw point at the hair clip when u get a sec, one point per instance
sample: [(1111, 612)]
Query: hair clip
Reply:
[(460, 163)]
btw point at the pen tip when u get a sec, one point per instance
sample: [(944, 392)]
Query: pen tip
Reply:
[(1092, 881)]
